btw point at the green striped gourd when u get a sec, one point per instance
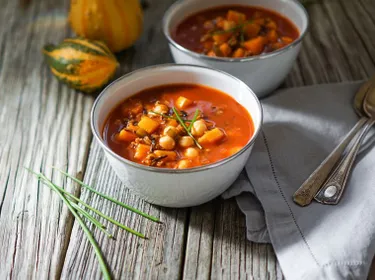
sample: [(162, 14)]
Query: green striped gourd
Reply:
[(85, 65)]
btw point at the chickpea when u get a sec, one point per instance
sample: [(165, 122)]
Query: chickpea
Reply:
[(161, 109), (186, 141), (170, 131), (185, 163), (199, 128), (191, 152), (167, 142)]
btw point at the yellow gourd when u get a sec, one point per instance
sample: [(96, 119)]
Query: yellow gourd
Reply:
[(85, 65), (118, 23)]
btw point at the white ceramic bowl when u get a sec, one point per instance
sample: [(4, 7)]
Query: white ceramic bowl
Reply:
[(262, 73), (175, 187)]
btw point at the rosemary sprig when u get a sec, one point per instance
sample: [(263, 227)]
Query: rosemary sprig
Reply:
[(86, 230), (184, 126), (194, 119), (152, 218)]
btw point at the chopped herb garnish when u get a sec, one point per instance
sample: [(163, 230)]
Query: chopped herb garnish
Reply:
[(194, 119), (184, 126)]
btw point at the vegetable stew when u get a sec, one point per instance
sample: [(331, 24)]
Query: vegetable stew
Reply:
[(178, 126), (235, 31)]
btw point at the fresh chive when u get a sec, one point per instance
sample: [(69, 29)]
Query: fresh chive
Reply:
[(184, 126), (86, 230), (236, 28), (163, 115), (166, 116), (93, 209), (194, 119), (100, 213), (99, 225), (108, 197)]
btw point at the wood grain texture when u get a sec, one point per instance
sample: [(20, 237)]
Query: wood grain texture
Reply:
[(42, 124)]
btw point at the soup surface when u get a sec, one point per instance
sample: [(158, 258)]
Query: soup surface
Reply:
[(235, 31), (178, 126)]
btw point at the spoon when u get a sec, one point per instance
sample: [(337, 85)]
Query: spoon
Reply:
[(305, 194), (333, 188)]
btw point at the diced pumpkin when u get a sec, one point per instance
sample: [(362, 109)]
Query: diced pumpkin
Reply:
[(220, 22), (126, 136), (271, 25), (211, 53), (183, 102), (148, 124), (141, 151), (228, 24), (286, 39), (171, 155), (277, 45), (251, 30), (225, 49), (173, 123), (237, 17), (240, 52), (211, 136), (234, 150), (272, 35), (260, 21), (221, 37), (255, 46)]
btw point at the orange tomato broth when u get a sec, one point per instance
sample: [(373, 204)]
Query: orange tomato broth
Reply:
[(188, 33), (234, 120)]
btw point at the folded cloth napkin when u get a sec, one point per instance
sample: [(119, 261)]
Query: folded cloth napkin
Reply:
[(301, 127)]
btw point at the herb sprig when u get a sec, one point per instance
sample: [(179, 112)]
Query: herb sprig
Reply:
[(194, 119), (167, 116), (238, 27), (78, 207), (184, 126)]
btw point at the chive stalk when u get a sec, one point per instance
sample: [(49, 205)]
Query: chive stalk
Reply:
[(87, 215), (184, 126), (109, 219), (86, 230), (193, 120), (108, 197), (168, 117)]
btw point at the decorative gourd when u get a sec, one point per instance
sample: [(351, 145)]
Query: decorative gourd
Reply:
[(83, 64), (117, 23)]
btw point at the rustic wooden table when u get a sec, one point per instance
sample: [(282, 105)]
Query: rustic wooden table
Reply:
[(43, 123)]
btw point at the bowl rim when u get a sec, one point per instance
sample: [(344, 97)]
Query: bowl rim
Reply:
[(166, 33), (171, 170)]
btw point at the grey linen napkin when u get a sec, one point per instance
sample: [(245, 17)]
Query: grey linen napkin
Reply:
[(301, 127)]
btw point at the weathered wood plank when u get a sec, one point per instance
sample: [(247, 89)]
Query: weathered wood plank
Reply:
[(129, 256), (43, 124), (160, 257), (201, 243)]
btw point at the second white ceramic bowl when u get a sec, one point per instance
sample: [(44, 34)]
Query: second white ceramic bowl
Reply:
[(175, 187), (262, 73)]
